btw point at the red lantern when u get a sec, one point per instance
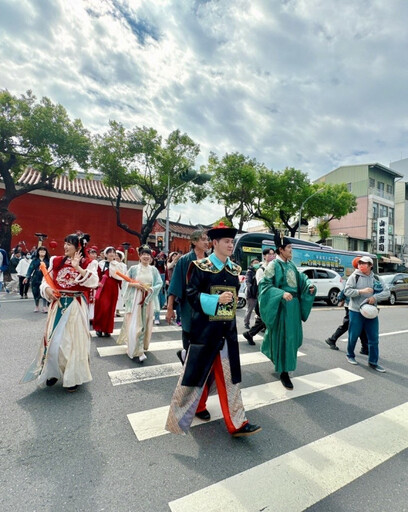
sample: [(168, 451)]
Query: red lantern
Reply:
[(53, 244), (131, 250)]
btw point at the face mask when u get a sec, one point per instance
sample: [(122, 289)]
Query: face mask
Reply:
[(256, 266)]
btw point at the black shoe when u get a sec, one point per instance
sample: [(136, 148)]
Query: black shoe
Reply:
[(99, 334), (287, 383), (332, 344), (364, 352), (51, 382), (106, 335), (247, 326), (72, 389), (249, 338), (180, 357), (203, 415), (247, 430)]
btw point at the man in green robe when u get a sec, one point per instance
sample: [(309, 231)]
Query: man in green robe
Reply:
[(285, 299)]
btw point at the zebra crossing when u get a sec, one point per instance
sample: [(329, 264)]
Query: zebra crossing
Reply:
[(301, 477)]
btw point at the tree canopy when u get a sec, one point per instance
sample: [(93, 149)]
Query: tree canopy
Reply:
[(233, 183), (161, 169), (36, 134)]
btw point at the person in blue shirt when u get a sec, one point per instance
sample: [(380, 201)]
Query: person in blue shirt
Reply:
[(177, 288), (212, 361)]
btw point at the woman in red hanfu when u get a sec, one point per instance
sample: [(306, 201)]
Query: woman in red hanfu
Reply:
[(107, 293), (64, 351)]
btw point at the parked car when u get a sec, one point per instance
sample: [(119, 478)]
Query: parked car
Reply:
[(328, 283), (398, 286)]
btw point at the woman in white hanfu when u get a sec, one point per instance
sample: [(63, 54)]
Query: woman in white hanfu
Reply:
[(139, 309), (65, 349)]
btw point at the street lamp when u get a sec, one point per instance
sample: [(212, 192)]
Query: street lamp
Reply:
[(302, 205), (187, 176), (41, 237), (126, 246)]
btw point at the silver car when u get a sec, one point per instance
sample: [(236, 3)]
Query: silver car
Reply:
[(398, 286)]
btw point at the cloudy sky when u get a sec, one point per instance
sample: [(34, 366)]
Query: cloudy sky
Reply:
[(310, 84)]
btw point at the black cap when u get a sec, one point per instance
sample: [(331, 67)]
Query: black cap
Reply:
[(221, 231), (280, 240)]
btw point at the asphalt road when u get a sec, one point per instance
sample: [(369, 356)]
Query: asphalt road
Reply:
[(338, 447)]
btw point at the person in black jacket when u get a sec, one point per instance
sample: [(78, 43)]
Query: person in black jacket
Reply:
[(35, 275), (15, 258), (251, 291), (213, 355)]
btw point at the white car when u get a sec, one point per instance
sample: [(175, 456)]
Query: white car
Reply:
[(328, 283), (242, 296)]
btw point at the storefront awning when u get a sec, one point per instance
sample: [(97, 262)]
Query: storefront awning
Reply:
[(391, 259)]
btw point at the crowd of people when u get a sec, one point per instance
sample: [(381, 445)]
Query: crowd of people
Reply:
[(82, 289)]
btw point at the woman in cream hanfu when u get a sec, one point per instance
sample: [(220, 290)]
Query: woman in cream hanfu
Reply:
[(65, 349), (139, 305), (122, 267)]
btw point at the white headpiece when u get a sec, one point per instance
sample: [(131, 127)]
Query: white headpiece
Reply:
[(105, 252)]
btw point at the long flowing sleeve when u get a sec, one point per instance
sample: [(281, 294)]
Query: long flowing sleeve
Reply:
[(306, 298), (269, 297), (90, 279)]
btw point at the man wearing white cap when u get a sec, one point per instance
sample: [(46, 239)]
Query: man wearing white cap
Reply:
[(364, 291)]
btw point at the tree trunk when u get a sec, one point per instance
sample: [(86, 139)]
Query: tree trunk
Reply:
[(6, 220)]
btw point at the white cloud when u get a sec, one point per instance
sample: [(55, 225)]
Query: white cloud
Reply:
[(306, 83)]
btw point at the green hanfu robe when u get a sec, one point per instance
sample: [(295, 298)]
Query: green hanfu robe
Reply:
[(283, 319)]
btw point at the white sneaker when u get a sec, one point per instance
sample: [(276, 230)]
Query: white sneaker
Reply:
[(142, 358), (157, 322)]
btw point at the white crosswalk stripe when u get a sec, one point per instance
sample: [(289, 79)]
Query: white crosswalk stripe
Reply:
[(155, 346), (150, 423), (381, 335), (132, 375), (308, 474), (156, 328)]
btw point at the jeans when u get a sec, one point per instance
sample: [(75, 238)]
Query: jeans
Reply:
[(357, 323), (341, 329)]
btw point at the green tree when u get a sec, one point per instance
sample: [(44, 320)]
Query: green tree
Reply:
[(161, 169), (39, 134), (233, 184), (282, 194)]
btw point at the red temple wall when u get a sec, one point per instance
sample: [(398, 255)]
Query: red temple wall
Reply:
[(57, 217)]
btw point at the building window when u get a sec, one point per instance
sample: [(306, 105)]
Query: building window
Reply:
[(348, 187), (383, 211), (391, 216), (365, 246), (375, 210), (372, 183), (390, 189), (380, 188)]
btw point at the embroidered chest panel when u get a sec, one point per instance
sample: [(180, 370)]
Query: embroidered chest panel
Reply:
[(66, 277), (208, 266)]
